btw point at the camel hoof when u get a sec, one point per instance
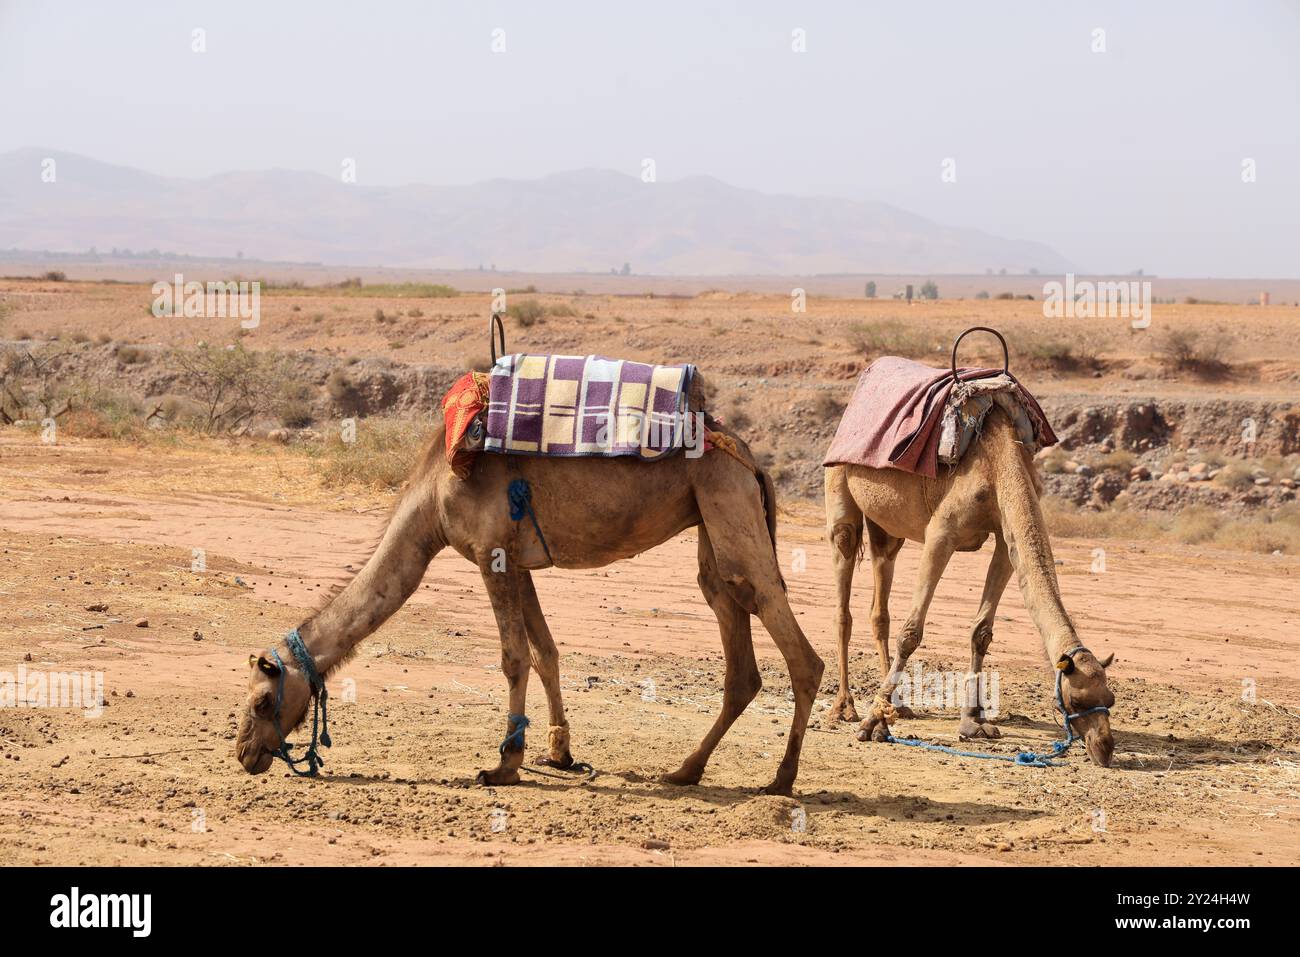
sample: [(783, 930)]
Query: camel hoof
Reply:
[(842, 710), (873, 729), (497, 776), (974, 728), (779, 788), (560, 764), (683, 777)]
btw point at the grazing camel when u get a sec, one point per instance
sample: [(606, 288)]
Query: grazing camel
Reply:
[(592, 511), (995, 490)]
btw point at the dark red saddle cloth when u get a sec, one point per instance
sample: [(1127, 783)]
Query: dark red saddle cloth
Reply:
[(894, 417)]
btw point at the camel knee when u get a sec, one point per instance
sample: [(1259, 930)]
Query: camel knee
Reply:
[(844, 622), (846, 539), (981, 637), (908, 641)]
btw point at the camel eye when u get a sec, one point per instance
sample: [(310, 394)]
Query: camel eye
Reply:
[(265, 705)]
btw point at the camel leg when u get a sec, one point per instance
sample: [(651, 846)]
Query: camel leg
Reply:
[(844, 529), (504, 588), (973, 722), (884, 552), (546, 662), (742, 682), (935, 553), (747, 564)]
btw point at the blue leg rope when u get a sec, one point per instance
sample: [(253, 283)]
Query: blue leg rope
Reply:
[(518, 722)]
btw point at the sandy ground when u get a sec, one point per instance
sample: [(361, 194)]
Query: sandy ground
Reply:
[(1201, 775)]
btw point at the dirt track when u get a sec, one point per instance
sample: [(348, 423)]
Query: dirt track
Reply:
[(1200, 775)]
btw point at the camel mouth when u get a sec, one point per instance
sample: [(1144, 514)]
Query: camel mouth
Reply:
[(1100, 744), (260, 761)]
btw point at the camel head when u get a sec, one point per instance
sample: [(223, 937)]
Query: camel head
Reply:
[(258, 740), (1083, 687)]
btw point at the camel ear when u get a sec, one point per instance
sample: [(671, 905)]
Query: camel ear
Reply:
[(1105, 662), (268, 668), (1065, 663)]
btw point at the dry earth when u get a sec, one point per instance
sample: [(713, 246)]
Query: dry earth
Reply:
[(1207, 674), (1201, 776)]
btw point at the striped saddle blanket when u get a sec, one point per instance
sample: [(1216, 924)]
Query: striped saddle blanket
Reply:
[(586, 405)]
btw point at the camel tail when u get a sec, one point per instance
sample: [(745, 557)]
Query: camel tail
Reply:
[(768, 489)]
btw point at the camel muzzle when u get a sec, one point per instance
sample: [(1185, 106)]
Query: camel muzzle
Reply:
[(1099, 742)]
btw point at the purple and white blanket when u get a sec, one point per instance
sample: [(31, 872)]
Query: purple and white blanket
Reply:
[(586, 405)]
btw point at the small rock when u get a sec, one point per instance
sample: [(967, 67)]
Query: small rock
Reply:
[(654, 844), (1263, 480), (142, 622), (98, 606)]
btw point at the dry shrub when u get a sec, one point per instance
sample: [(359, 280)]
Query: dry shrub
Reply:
[(1196, 525), (527, 313), (889, 337), (234, 386), (1271, 531), (1203, 352), (382, 455), (1235, 475), (343, 393), (1121, 460), (1067, 520)]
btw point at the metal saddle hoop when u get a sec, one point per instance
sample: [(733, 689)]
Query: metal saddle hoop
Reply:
[(496, 332), (1006, 355)]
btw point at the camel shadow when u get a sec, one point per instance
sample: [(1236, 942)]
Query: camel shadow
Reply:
[(1129, 744)]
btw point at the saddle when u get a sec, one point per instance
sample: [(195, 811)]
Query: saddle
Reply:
[(567, 406), (910, 416)]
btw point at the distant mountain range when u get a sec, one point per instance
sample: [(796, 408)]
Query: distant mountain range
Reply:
[(580, 221)]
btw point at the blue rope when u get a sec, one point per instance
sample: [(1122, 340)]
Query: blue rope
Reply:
[(1029, 759), (521, 503), (519, 723), (320, 709)]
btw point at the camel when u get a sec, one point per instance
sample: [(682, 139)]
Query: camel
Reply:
[(592, 512), (994, 491)]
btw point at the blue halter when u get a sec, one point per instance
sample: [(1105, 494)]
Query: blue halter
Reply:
[(319, 715)]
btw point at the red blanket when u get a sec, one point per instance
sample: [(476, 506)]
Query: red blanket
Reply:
[(893, 419)]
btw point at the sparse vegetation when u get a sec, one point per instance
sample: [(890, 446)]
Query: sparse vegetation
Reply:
[(233, 385), (526, 313), (889, 337), (343, 393), (381, 457), (1203, 352)]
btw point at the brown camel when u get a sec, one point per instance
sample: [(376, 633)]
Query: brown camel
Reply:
[(592, 512), (995, 490)]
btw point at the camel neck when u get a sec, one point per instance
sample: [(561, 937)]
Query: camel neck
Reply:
[(384, 583), (1031, 551)]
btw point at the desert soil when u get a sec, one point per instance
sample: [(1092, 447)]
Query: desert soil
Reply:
[(1200, 776), (97, 535)]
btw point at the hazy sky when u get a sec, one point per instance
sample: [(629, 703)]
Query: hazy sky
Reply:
[(1120, 159)]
